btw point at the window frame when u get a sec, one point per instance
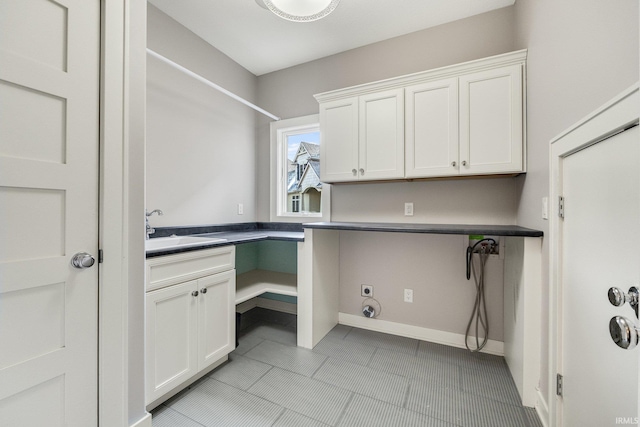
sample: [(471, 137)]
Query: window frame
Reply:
[(279, 131)]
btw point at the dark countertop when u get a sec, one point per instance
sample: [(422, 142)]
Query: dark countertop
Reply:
[(233, 233), (490, 230)]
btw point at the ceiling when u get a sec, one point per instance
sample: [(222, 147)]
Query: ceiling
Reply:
[(261, 42)]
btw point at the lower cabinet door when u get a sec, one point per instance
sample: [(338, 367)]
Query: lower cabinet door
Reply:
[(216, 317), (171, 334)]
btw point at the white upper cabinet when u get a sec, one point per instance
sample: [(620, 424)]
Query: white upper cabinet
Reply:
[(432, 129), (339, 140), (381, 135), (464, 119), (362, 138), (491, 112)]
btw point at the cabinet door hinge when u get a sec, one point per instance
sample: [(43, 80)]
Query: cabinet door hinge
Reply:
[(561, 207), (100, 256), (559, 385)]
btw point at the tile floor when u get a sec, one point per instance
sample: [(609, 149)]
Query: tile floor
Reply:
[(353, 377)]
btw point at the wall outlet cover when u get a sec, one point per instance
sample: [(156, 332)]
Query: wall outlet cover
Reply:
[(408, 295), (408, 209)]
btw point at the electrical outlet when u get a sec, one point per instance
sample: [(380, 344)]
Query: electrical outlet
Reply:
[(408, 295), (240, 209), (366, 291), (408, 209)]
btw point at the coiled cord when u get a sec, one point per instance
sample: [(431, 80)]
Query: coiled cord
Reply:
[(479, 312)]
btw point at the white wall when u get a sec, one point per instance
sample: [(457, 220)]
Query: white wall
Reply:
[(581, 54), (200, 160)]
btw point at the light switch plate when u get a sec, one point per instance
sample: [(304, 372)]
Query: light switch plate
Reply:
[(545, 208)]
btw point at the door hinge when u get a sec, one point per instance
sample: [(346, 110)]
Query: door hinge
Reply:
[(100, 256), (559, 385), (561, 207)]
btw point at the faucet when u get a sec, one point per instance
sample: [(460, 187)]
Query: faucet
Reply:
[(148, 226)]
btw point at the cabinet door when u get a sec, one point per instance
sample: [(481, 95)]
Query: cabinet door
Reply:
[(216, 317), (171, 338), (491, 116), (431, 116), (381, 135), (339, 140)]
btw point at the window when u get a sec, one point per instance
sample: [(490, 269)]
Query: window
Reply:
[(297, 190)]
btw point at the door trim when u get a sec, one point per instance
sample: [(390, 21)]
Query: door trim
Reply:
[(121, 275), (613, 117)]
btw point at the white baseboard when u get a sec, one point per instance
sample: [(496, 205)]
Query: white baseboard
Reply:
[(143, 422), (285, 307), (245, 306), (542, 409), (271, 304), (417, 332)]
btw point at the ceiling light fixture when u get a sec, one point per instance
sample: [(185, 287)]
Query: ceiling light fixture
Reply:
[(301, 10)]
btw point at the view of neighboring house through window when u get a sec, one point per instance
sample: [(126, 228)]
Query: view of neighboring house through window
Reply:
[(303, 186)]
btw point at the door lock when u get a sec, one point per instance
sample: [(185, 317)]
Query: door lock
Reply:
[(623, 332), (618, 297)]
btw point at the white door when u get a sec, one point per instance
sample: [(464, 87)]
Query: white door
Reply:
[(491, 116), (339, 140), (216, 317), (431, 111), (171, 334), (600, 249), (49, 82), (381, 135)]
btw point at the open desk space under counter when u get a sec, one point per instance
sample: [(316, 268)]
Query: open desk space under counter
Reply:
[(322, 269)]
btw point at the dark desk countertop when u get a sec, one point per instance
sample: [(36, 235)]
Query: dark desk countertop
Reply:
[(490, 230), (233, 234)]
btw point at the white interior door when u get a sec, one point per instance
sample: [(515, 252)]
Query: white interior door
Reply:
[(600, 249), (49, 83)]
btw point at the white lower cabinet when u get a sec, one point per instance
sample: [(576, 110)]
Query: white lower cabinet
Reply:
[(189, 327)]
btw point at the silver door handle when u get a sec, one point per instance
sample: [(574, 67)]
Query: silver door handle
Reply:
[(82, 260), (354, 172), (464, 163), (453, 164), (618, 297), (361, 171), (203, 290), (623, 332)]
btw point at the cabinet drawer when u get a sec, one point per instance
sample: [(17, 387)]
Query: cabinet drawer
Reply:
[(171, 269)]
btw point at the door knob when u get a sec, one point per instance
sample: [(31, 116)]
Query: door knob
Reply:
[(618, 297), (453, 164), (361, 171), (82, 260), (623, 332), (354, 172), (203, 290)]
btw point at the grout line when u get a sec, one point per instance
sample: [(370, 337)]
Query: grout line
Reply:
[(279, 415), (321, 365), (405, 400), (344, 410), (371, 357), (187, 417)]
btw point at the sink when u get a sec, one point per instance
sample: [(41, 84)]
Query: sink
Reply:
[(161, 243)]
